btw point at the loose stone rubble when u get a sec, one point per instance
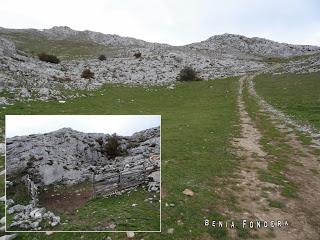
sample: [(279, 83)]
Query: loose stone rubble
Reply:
[(30, 217), (304, 65), (154, 181)]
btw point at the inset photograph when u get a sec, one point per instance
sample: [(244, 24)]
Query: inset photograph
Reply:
[(83, 173)]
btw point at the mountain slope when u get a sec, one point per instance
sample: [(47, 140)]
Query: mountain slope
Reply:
[(24, 77), (223, 44), (237, 44)]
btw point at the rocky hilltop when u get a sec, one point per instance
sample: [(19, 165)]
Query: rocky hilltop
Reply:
[(241, 45), (24, 77), (64, 32), (67, 156)]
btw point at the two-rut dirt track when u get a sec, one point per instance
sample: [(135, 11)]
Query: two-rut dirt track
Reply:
[(255, 194)]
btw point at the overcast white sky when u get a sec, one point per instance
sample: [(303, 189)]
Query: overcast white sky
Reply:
[(125, 125), (172, 21)]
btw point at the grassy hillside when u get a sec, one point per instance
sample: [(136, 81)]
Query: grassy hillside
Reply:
[(64, 49), (297, 95), (198, 121)]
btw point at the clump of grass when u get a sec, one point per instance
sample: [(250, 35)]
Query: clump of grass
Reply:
[(137, 55), (276, 204), (188, 74), (87, 73), (48, 58), (102, 57)]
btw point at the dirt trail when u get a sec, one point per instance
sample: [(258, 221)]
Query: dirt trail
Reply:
[(278, 115), (254, 195), (306, 175)]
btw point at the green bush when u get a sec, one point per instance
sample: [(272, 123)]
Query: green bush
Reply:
[(188, 74), (137, 54), (86, 73), (133, 145), (48, 58), (102, 57), (112, 147)]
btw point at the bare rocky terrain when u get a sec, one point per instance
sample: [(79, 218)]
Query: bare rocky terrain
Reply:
[(67, 156), (24, 77)]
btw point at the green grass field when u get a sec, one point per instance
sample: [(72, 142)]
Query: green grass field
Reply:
[(100, 213), (64, 49), (198, 121), (297, 95)]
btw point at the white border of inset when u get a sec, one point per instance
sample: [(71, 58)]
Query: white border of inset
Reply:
[(43, 231)]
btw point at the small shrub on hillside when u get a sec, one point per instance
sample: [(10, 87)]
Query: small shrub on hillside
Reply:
[(86, 73), (102, 57), (112, 147), (188, 74), (132, 145), (137, 54), (48, 58)]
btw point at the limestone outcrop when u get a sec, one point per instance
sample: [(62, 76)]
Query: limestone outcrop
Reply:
[(67, 156), (23, 77)]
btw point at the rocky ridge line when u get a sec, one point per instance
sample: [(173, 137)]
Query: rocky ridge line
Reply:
[(23, 77)]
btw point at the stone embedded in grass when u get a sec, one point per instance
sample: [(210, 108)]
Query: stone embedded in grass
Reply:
[(188, 192), (112, 226), (170, 230), (8, 237), (179, 222), (130, 234)]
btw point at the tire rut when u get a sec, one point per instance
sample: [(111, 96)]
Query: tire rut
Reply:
[(254, 195)]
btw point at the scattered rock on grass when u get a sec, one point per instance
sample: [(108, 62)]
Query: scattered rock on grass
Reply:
[(8, 237), (188, 192), (130, 234)]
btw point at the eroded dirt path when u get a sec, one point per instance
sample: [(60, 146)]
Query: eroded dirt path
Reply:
[(276, 114), (255, 197)]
